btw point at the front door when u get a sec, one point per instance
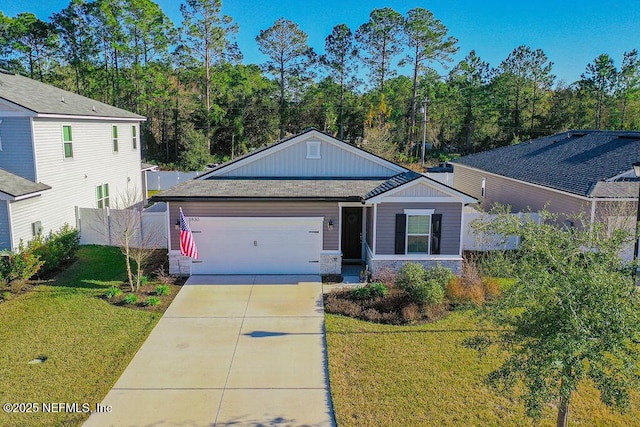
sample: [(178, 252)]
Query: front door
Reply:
[(352, 234)]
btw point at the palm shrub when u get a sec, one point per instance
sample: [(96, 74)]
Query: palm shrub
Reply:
[(422, 286)]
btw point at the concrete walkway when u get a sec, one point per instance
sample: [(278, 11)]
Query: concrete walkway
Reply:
[(230, 351)]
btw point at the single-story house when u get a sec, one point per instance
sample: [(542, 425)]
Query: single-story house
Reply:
[(308, 204), (579, 171)]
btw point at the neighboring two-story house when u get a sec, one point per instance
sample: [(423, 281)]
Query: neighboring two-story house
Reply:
[(60, 151)]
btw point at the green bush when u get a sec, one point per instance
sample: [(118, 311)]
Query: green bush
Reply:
[(130, 299), (113, 292), (143, 280), (151, 301), (371, 290), (162, 290), (377, 289), (56, 249), (423, 287), (19, 266), (6, 295)]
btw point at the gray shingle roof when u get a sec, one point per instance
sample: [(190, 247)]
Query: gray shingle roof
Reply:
[(17, 186), (392, 183), (46, 99), (311, 189), (573, 161)]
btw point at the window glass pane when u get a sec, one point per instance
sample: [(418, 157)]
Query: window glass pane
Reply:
[(68, 149), (66, 133), (419, 224), (133, 131), (99, 192), (115, 131), (417, 244), (100, 204), (106, 190)]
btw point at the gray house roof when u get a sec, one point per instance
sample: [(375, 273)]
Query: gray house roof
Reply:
[(255, 188), (42, 98), (574, 161), (16, 186)]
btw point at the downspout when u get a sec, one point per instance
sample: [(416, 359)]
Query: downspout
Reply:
[(593, 214), (33, 148), (11, 245)]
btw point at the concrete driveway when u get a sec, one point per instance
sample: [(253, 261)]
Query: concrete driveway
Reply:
[(230, 351)]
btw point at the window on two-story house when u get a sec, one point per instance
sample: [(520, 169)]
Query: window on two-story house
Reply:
[(114, 132), (102, 195), (67, 139), (134, 137)]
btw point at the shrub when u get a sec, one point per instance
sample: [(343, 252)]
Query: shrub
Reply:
[(6, 295), (19, 266), (372, 315), (371, 290), (411, 313), (130, 299), (143, 280), (336, 303), (151, 301), (387, 276), (162, 290), (491, 288), (163, 277), (377, 290), (113, 292), (56, 249), (422, 287)]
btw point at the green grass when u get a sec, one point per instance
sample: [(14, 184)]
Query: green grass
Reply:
[(87, 341), (384, 375)]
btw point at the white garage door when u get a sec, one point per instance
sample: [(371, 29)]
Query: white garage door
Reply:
[(257, 245)]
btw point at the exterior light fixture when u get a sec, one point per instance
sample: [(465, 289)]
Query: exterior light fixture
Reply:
[(330, 225)]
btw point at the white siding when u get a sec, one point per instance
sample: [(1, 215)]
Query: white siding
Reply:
[(23, 214), (290, 160), (94, 163)]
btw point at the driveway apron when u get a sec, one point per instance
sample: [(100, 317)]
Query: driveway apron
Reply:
[(230, 351)]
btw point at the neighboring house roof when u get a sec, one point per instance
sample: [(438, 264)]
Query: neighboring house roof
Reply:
[(42, 98), (148, 167), (15, 186), (576, 162)]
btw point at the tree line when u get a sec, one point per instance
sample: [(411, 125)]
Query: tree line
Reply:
[(375, 86)]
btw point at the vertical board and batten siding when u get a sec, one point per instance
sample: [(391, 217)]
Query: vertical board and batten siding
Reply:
[(386, 225), (519, 195), (5, 236), (292, 161), (74, 180), (16, 155), (327, 210)]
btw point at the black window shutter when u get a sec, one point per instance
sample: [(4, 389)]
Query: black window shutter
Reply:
[(401, 233), (436, 233)]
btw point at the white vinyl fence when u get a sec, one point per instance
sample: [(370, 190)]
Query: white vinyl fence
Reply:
[(106, 226), (488, 242)]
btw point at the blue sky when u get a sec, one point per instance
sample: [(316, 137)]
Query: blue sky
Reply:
[(571, 32)]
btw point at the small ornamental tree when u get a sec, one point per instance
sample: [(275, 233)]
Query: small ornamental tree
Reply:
[(573, 314)]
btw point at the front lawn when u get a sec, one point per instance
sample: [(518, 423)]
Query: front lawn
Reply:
[(86, 341), (383, 375)]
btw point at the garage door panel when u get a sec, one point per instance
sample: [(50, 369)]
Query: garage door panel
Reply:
[(257, 245)]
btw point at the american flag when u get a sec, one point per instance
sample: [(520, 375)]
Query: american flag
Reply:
[(187, 244)]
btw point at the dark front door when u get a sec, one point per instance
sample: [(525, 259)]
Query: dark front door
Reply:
[(351, 234)]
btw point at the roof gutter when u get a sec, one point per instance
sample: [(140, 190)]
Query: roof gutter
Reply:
[(157, 198)]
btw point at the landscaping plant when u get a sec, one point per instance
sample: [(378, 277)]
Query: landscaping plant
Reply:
[(423, 286), (572, 316)]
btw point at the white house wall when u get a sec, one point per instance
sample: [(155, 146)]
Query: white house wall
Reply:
[(291, 161), (16, 155), (94, 163), (23, 214), (420, 190)]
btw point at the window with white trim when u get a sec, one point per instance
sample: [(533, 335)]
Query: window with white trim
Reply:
[(134, 137), (102, 195), (483, 188), (313, 149), (418, 231), (114, 133), (67, 139)]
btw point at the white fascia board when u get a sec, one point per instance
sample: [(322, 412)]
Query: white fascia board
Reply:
[(455, 195), (10, 198), (104, 118), (295, 140)]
